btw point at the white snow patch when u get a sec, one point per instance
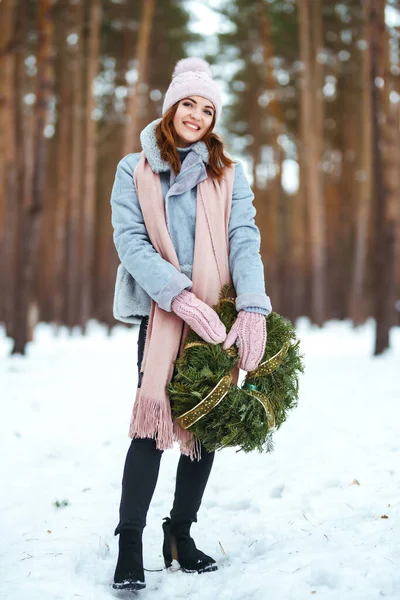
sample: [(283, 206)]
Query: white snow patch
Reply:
[(305, 521)]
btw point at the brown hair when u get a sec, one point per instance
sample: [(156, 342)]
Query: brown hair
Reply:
[(167, 142)]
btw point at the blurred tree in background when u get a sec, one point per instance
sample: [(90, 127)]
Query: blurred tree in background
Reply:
[(318, 83), (313, 108)]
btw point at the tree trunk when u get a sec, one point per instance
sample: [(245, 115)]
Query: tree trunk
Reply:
[(397, 229), (31, 214), (391, 164), (358, 310), (74, 249), (273, 194), (142, 56), (63, 134), (384, 244), (298, 253), (8, 155), (348, 191), (89, 194), (311, 138)]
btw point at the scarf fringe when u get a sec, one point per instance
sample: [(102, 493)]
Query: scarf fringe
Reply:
[(188, 444), (152, 419)]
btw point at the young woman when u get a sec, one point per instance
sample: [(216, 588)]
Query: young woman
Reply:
[(183, 220)]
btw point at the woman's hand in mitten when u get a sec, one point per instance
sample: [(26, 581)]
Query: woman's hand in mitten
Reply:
[(200, 317), (249, 331)]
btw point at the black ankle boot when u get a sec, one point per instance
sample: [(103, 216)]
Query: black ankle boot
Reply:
[(129, 573), (179, 546)]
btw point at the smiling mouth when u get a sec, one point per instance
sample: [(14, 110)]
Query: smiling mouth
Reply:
[(191, 127)]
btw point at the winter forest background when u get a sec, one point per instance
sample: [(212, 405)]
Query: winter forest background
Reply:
[(312, 106)]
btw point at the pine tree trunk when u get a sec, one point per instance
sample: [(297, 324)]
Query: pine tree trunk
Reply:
[(106, 260), (63, 158), (298, 254), (74, 250), (348, 190), (333, 201), (384, 244), (358, 310), (391, 165), (310, 158), (89, 194), (272, 197), (44, 296), (8, 152), (32, 210), (142, 56), (26, 156), (397, 228)]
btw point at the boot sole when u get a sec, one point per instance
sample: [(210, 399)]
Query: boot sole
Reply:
[(175, 569), (130, 586), (200, 571)]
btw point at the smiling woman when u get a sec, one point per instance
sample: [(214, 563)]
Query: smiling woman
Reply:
[(183, 220)]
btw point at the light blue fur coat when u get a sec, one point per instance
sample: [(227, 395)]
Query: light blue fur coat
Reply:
[(143, 274)]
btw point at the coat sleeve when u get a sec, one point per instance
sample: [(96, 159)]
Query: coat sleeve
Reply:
[(158, 277), (245, 263)]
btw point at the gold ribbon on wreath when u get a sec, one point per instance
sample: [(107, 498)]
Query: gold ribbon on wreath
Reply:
[(219, 392), (202, 409), (270, 365), (265, 402)]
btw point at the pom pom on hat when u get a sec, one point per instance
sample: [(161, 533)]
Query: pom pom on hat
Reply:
[(192, 77), (191, 64)]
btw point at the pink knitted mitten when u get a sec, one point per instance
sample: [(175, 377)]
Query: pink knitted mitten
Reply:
[(249, 331), (200, 317)]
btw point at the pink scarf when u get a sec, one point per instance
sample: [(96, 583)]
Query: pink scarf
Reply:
[(151, 417)]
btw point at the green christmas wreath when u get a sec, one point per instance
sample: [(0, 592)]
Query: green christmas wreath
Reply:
[(219, 413)]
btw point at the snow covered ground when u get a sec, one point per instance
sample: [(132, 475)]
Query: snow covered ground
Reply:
[(317, 518)]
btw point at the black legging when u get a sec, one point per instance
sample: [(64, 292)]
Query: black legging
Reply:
[(141, 473)]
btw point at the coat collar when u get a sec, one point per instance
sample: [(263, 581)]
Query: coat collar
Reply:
[(152, 152)]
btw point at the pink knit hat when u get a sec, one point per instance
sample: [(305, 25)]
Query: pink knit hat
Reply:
[(192, 77)]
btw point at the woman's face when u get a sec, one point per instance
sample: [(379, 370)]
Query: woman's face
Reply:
[(192, 119)]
